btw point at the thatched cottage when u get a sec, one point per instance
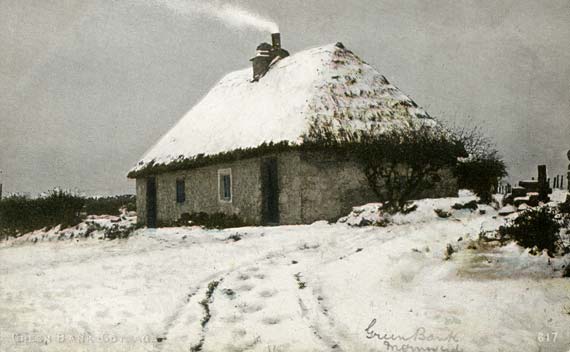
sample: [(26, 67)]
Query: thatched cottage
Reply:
[(234, 152)]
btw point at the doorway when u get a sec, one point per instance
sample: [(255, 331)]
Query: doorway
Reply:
[(270, 191)]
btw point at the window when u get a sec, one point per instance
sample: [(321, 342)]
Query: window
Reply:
[(225, 185), (180, 191)]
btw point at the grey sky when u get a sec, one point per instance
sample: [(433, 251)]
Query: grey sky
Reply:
[(86, 86)]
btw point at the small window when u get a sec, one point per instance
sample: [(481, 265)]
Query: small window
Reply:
[(180, 191), (225, 185)]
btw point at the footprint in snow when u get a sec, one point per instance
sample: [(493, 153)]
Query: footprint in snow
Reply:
[(239, 332), (127, 314), (102, 313), (243, 277), (267, 293), (245, 308), (271, 321), (245, 288), (131, 291), (190, 319), (232, 319)]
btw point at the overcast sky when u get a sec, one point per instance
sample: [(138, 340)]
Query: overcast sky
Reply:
[(87, 86)]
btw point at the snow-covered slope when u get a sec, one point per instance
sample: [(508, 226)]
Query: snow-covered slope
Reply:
[(328, 85), (321, 287)]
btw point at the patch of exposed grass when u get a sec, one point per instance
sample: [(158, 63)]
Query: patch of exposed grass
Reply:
[(448, 252), (205, 303), (300, 283), (235, 237), (442, 213)]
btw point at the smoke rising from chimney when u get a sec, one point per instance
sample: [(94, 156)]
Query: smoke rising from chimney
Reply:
[(230, 15)]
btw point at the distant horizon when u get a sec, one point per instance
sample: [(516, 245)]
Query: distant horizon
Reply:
[(86, 87)]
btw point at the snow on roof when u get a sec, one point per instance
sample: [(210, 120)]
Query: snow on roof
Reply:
[(323, 85)]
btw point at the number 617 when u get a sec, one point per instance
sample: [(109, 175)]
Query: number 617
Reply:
[(547, 336)]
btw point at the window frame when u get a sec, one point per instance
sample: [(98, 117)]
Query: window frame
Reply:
[(180, 196), (221, 174)]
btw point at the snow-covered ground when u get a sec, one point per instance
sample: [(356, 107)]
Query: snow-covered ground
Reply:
[(321, 287), (94, 227)]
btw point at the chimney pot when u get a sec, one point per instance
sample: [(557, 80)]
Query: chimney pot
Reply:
[(276, 39)]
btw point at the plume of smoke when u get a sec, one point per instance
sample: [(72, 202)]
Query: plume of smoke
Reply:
[(229, 15)]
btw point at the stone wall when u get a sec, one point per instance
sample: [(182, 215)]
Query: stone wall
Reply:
[(141, 200), (312, 186), (331, 186), (201, 188)]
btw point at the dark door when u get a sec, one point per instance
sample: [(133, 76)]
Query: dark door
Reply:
[(270, 191), (151, 202)]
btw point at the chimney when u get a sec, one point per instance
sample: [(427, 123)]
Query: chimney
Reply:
[(276, 40), (267, 55)]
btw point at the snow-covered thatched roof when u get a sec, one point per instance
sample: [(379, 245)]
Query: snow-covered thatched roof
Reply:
[(324, 86)]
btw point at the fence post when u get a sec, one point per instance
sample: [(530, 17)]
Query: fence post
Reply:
[(568, 175), (542, 185)]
